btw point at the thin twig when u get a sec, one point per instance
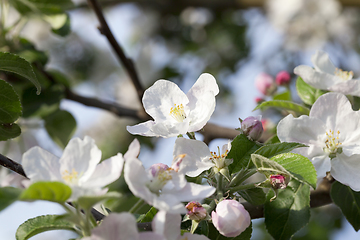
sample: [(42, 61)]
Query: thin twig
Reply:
[(126, 62)]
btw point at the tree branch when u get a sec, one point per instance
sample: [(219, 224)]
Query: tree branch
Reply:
[(126, 62)]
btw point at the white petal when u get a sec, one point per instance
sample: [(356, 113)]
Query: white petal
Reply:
[(117, 226), (349, 87), (190, 236), (167, 224), (161, 97), (322, 165), (81, 156), (40, 165), (331, 108), (316, 79), (322, 62), (303, 129), (143, 129), (168, 203), (194, 192), (197, 157), (347, 170), (168, 129), (151, 236), (133, 150), (106, 172), (205, 83)]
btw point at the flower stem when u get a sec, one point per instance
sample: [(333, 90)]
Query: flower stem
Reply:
[(242, 176), (191, 135), (242, 187), (136, 206), (219, 186)]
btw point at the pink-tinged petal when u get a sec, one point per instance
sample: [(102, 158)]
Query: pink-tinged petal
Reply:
[(322, 62), (201, 109), (190, 236), (143, 129), (117, 226), (151, 236), (106, 172), (161, 97), (40, 165), (346, 170), (133, 150), (167, 224), (81, 156), (349, 87), (197, 157), (316, 79), (331, 108), (168, 129), (303, 129)]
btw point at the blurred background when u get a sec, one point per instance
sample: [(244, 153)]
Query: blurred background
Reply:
[(234, 40)]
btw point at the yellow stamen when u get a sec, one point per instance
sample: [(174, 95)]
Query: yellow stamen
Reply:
[(178, 113)]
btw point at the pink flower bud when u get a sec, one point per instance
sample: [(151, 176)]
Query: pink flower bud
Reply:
[(252, 127), (278, 181), (282, 78), (196, 211), (230, 218), (265, 84), (259, 100)]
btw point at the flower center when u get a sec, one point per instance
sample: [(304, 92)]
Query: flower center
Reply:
[(220, 160), (332, 143), (159, 180), (344, 75), (70, 177), (178, 113)]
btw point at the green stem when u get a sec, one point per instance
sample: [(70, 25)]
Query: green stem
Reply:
[(242, 187), (242, 176), (136, 206), (191, 135)]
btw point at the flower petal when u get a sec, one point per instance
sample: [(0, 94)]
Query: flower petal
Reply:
[(322, 62), (161, 97), (143, 129), (346, 170), (81, 156), (197, 157), (133, 150), (194, 192), (40, 165), (106, 172), (349, 87), (322, 165), (205, 83), (167, 224), (316, 79), (168, 129)]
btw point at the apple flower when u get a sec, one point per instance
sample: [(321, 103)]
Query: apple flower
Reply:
[(198, 157), (332, 133), (78, 167), (163, 187), (326, 76), (168, 225), (230, 218), (265, 84), (175, 112), (121, 226)]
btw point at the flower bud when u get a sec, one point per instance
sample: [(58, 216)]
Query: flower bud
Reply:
[(265, 84), (278, 181), (282, 78), (196, 211), (230, 218), (259, 100), (252, 127)]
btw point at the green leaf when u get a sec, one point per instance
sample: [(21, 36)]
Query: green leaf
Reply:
[(291, 164), (41, 224), (64, 29), (10, 106), (87, 202), (48, 191), (12, 63), (148, 217), (348, 201), (42, 105), (289, 212), (49, 7), (241, 149), (271, 150), (287, 105), (255, 196), (307, 93), (8, 195), (245, 235), (60, 125), (8, 131), (300, 167), (283, 96)]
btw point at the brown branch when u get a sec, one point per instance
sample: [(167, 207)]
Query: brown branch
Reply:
[(12, 165), (212, 131), (126, 62)]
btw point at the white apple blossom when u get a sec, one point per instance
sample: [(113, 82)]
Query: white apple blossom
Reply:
[(168, 225), (121, 226), (326, 76), (198, 157), (163, 187), (332, 133), (78, 167), (175, 112)]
